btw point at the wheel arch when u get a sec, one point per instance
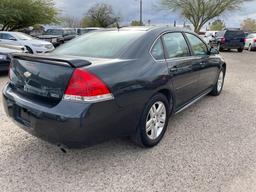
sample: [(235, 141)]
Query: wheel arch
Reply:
[(170, 97)]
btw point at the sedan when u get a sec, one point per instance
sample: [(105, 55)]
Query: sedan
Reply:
[(32, 45), (109, 83), (250, 42)]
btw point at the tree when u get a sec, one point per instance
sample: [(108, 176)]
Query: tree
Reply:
[(249, 25), (72, 22), (136, 23), (17, 14), (217, 25), (100, 15), (199, 12)]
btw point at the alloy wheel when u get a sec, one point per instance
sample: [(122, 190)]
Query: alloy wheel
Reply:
[(220, 81), (156, 120)]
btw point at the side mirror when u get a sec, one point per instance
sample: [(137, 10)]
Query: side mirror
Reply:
[(12, 39), (213, 51)]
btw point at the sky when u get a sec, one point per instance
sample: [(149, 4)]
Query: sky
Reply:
[(129, 10)]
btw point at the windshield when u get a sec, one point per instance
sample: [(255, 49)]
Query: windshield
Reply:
[(23, 36), (106, 44), (53, 32)]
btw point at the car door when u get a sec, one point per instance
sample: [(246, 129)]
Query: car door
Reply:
[(182, 69), (6, 38), (208, 65)]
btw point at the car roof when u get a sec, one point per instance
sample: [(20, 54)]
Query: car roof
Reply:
[(148, 29)]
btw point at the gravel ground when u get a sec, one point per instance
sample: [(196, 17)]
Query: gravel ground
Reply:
[(209, 147)]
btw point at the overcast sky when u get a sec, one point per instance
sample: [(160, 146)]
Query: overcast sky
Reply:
[(129, 10)]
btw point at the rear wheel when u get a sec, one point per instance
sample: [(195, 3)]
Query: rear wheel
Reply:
[(219, 84), (29, 50), (240, 50), (250, 48), (219, 47), (153, 122)]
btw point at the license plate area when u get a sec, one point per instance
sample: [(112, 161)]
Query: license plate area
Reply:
[(22, 115)]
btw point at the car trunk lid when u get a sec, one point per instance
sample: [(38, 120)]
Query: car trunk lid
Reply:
[(43, 76)]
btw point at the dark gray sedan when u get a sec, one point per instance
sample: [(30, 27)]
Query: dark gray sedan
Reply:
[(110, 83)]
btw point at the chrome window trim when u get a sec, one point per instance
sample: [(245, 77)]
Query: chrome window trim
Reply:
[(153, 44), (170, 59)]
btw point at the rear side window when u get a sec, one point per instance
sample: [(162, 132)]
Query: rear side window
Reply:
[(6, 36), (157, 51), (175, 45), (197, 45)]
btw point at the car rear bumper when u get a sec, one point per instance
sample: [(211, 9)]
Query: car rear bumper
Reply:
[(70, 124), (232, 46)]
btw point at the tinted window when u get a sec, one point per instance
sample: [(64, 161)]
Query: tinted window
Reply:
[(105, 44), (220, 34), (54, 32), (176, 45), (231, 34), (157, 50), (198, 47), (6, 36)]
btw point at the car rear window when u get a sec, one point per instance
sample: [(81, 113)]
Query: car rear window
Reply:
[(240, 34), (104, 44), (220, 33)]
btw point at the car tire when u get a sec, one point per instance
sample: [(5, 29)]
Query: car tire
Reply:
[(219, 84), (153, 124), (29, 50), (219, 48), (250, 48), (240, 50)]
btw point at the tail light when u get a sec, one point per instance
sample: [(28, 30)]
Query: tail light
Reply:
[(254, 40), (85, 86), (222, 39), (244, 40)]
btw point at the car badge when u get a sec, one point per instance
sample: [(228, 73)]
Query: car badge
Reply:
[(27, 74)]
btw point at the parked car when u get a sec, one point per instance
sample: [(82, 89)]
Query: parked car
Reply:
[(81, 31), (112, 83), (15, 47), (32, 45), (209, 36), (230, 39), (250, 42), (58, 36), (5, 52)]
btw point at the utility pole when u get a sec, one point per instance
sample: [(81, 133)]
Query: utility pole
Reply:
[(141, 22)]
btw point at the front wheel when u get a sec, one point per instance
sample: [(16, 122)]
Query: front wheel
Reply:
[(219, 84), (240, 50), (153, 122)]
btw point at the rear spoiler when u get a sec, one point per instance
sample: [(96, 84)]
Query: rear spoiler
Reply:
[(54, 59)]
